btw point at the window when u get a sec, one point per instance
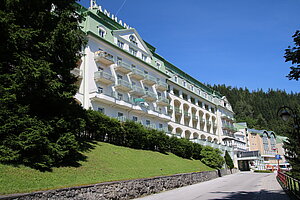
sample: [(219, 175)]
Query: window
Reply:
[(100, 69), (206, 107), (176, 92), (175, 79), (146, 88), (102, 31), (120, 114), (158, 94), (119, 60), (184, 83), (120, 96), (100, 90), (212, 110), (101, 110), (133, 66), (133, 83), (160, 126), (144, 57), (184, 96), (132, 51), (145, 72), (148, 122), (133, 40), (193, 100), (120, 44), (119, 76), (134, 118)]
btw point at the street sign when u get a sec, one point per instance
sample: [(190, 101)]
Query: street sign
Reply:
[(277, 157)]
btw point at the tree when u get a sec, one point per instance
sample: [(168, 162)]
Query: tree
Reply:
[(212, 157), (40, 43), (228, 160), (292, 54)]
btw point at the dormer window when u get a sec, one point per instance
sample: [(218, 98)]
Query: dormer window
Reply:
[(132, 39), (102, 31)]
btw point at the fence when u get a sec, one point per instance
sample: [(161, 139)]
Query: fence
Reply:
[(289, 184)]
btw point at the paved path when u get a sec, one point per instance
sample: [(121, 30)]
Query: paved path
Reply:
[(240, 186)]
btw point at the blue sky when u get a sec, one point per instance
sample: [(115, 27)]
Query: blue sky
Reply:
[(234, 42)]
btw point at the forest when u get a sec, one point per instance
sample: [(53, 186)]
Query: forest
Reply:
[(259, 108)]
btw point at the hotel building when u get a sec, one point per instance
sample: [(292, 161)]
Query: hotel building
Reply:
[(123, 77)]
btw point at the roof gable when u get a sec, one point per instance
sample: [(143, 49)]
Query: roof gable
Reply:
[(125, 34)]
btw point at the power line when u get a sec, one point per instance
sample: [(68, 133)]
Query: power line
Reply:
[(121, 7)]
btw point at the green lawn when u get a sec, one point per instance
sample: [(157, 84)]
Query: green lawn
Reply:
[(105, 162)]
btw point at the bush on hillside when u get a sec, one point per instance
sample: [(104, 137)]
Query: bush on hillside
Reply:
[(212, 157)]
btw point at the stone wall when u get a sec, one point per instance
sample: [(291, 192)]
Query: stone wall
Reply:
[(122, 190)]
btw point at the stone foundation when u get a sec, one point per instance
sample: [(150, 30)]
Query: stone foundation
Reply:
[(122, 190)]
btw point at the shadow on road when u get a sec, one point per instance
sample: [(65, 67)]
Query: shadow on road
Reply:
[(246, 195)]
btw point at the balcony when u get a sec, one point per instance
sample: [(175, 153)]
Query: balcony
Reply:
[(202, 121), (77, 73), (170, 109), (178, 111), (123, 67), (123, 85), (150, 96), (186, 114), (214, 125), (209, 123), (194, 117), (164, 129), (137, 74), (162, 101), (162, 86), (150, 80), (137, 91), (104, 77), (103, 57)]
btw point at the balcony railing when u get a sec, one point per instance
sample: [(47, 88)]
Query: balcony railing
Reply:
[(162, 101), (103, 57), (195, 117), (123, 85), (202, 121), (161, 86), (137, 74), (104, 77), (123, 67), (150, 96), (186, 114), (77, 72), (152, 126), (178, 111), (150, 80), (137, 91)]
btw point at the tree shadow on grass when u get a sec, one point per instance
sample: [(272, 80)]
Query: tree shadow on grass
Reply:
[(246, 195)]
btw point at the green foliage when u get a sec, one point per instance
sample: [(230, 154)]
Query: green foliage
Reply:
[(39, 45), (212, 157), (228, 160), (259, 108), (106, 162), (292, 54)]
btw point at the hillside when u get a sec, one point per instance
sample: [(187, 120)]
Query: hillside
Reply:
[(105, 162), (259, 108)]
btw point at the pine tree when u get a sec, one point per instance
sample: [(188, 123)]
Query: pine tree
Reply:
[(40, 43), (228, 160), (292, 54)]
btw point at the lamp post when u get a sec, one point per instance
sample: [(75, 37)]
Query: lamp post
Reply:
[(286, 113)]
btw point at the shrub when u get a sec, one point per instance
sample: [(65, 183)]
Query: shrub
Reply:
[(212, 157), (228, 160)]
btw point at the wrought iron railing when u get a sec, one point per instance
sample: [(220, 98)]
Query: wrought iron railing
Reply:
[(289, 184)]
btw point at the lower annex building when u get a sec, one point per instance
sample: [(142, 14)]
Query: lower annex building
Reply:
[(123, 77)]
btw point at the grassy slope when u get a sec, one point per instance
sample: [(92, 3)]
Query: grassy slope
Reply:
[(105, 162)]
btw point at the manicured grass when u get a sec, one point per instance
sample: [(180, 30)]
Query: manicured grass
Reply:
[(105, 162)]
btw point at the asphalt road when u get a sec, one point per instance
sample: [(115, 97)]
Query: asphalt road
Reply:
[(242, 186)]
